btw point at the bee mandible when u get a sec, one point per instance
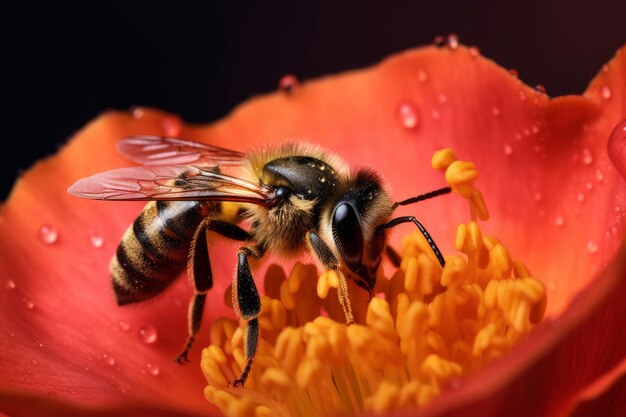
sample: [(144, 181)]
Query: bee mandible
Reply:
[(294, 197)]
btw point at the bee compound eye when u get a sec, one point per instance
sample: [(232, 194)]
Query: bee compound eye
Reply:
[(348, 234), (283, 192)]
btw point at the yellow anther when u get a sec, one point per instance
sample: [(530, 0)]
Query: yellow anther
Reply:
[(275, 379), (455, 271), (442, 159), (385, 398), (440, 369), (286, 297), (431, 327)]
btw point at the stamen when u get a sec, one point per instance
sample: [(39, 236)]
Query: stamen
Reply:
[(426, 329)]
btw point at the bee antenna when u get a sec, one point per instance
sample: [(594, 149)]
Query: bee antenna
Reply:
[(421, 197)]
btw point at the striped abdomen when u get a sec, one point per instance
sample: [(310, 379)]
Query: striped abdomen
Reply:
[(154, 249)]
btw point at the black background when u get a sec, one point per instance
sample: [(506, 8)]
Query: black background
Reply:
[(63, 64)]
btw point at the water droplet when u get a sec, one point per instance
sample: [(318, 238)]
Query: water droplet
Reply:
[(171, 126), (474, 51), (605, 92), (97, 241), (614, 230), (408, 116), (496, 111), (288, 83), (11, 284), (522, 95), (592, 247), (538, 196), (422, 75), (540, 88), (147, 334), (526, 132), (152, 369), (599, 175), (587, 156), (442, 98), (452, 41), (137, 112), (124, 326), (589, 185), (617, 209), (518, 136), (514, 72), (534, 129), (508, 149), (34, 361), (10, 333), (580, 197), (109, 360), (435, 115), (28, 304), (48, 234), (559, 220)]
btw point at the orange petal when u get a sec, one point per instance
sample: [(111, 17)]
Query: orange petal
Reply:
[(390, 117)]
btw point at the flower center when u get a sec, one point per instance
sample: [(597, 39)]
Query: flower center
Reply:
[(425, 330)]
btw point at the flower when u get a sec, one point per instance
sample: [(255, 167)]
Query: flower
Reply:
[(556, 202)]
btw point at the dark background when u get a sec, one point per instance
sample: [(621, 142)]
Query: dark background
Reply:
[(63, 64)]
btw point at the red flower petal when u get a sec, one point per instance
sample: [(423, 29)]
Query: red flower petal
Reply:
[(537, 158)]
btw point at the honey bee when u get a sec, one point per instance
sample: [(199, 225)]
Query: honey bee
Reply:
[(294, 197)]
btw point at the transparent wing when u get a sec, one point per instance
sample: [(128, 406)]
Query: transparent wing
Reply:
[(169, 183), (159, 150)]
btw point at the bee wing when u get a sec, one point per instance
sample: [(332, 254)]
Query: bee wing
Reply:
[(159, 150), (168, 182)]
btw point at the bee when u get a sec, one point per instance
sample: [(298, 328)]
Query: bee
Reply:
[(292, 197)]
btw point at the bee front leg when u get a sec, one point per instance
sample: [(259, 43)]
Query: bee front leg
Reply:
[(199, 270), (247, 305), (329, 261)]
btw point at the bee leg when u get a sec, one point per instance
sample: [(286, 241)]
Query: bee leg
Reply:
[(329, 261), (247, 306), (199, 270)]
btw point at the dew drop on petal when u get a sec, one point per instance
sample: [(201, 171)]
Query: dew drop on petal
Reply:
[(474, 51), (408, 116), (540, 88), (538, 197), (589, 185), (605, 92), (534, 129), (10, 284), (452, 41), (108, 359), (96, 241), (152, 369), (147, 334), (137, 112), (587, 156), (422, 75), (513, 72), (288, 83), (599, 175), (614, 230), (496, 111), (592, 247), (442, 98), (580, 197), (124, 326), (48, 235), (435, 115), (559, 220), (508, 150), (522, 95), (28, 303), (171, 126)]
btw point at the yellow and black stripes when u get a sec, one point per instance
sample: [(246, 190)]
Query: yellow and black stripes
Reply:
[(154, 249)]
